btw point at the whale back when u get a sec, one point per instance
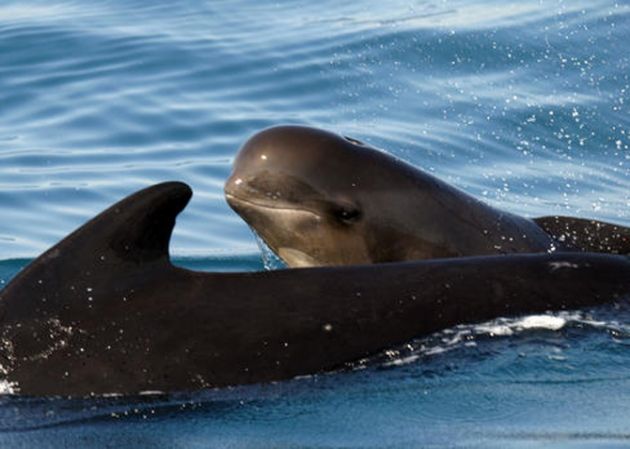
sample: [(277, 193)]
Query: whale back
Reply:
[(587, 235), (104, 311)]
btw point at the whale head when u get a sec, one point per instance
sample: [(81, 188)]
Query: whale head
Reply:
[(317, 198)]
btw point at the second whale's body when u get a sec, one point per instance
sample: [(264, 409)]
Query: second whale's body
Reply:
[(318, 198)]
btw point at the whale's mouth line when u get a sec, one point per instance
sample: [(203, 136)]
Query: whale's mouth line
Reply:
[(262, 205)]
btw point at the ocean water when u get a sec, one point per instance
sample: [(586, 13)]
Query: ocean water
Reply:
[(525, 104)]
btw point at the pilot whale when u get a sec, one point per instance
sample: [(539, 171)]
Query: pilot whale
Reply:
[(318, 198), (105, 311)]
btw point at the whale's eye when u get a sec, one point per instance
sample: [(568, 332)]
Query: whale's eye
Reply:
[(347, 214)]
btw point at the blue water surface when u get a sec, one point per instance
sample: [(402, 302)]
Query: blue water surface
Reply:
[(525, 104)]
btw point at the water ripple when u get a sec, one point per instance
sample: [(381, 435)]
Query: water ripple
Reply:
[(110, 94)]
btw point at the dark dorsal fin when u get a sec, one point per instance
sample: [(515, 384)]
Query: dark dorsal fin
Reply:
[(118, 242), (137, 228), (89, 269), (141, 225), (587, 235)]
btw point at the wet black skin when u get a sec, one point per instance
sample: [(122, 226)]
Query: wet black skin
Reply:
[(105, 311), (318, 198)]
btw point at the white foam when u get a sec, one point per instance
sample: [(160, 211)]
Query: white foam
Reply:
[(7, 387), (550, 322), (111, 395), (404, 360), (151, 393), (465, 335), (506, 327), (495, 329)]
